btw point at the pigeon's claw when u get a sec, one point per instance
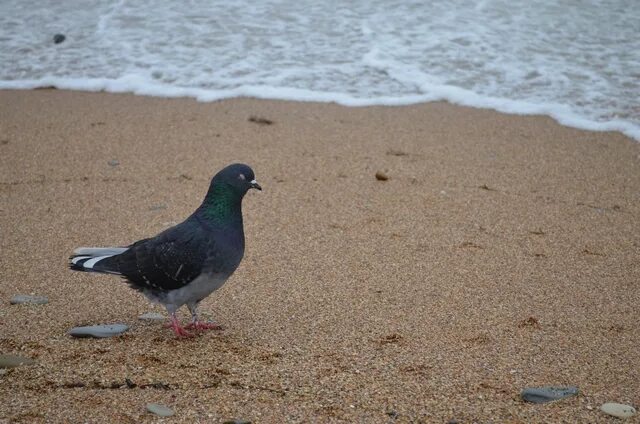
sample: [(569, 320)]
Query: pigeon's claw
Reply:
[(202, 326), (177, 328)]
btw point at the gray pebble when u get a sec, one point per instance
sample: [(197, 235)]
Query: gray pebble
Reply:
[(159, 410), (618, 410), (547, 393), (99, 331), (12, 361), (114, 162), (25, 298), (152, 316)]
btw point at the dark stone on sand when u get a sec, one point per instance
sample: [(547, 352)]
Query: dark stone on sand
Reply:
[(381, 176), (59, 38), (260, 121), (547, 393), (20, 299), (236, 421), (99, 331)]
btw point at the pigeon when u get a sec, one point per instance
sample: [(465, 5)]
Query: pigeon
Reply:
[(186, 263)]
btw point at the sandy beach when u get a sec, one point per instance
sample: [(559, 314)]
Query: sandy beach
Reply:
[(503, 252)]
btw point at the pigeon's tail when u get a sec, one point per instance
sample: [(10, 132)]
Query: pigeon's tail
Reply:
[(89, 259)]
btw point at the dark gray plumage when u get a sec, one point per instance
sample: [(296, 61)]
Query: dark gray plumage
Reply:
[(186, 263)]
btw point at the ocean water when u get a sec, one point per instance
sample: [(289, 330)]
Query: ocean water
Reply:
[(575, 60)]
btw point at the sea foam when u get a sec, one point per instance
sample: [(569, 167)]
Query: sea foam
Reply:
[(579, 65)]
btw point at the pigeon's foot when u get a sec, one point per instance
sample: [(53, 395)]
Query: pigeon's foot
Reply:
[(179, 331), (202, 326)]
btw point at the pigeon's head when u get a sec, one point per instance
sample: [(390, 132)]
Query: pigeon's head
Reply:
[(239, 177)]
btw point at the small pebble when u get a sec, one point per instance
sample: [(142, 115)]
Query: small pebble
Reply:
[(25, 298), (159, 410), (547, 393), (152, 316), (158, 207), (99, 331), (381, 176), (236, 421), (114, 162), (618, 410), (59, 38), (12, 361)]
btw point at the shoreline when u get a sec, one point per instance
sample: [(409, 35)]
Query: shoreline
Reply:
[(501, 253), (457, 97)]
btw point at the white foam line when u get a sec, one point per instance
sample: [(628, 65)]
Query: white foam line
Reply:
[(431, 92)]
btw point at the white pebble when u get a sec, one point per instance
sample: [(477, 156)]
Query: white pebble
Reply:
[(618, 410)]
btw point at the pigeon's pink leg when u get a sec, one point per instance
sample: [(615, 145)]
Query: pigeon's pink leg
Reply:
[(177, 329), (198, 325)]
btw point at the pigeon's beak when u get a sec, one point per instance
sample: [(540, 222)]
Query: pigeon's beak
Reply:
[(254, 184)]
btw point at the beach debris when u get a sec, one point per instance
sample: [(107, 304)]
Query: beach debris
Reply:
[(391, 339), (12, 361), (236, 421), (59, 38), (530, 322), (393, 152), (99, 331), (259, 120), (547, 393), (470, 244), (160, 410), (591, 252), (158, 207), (152, 316), (618, 410), (381, 176), (20, 299), (114, 162)]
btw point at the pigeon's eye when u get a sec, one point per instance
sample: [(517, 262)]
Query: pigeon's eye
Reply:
[(242, 177)]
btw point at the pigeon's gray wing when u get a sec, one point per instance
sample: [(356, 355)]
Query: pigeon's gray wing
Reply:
[(166, 262)]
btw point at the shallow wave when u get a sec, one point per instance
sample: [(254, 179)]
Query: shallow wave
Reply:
[(577, 63)]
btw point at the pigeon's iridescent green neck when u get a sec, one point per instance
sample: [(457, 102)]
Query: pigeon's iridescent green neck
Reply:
[(222, 205)]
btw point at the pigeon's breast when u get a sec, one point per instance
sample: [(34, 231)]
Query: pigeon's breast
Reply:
[(225, 254)]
